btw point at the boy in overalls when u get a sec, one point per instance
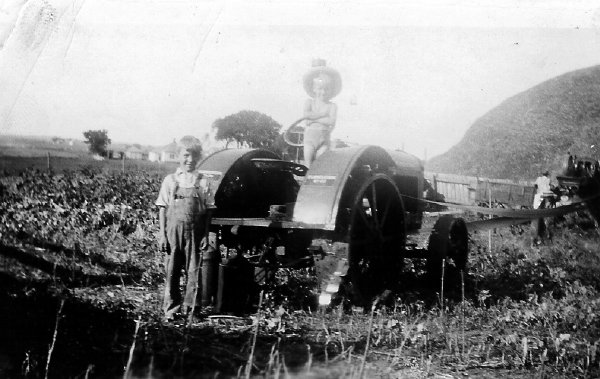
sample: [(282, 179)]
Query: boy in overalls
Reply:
[(184, 223)]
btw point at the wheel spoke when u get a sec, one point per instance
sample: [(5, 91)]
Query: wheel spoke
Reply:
[(388, 205), (372, 229), (374, 205), (366, 221)]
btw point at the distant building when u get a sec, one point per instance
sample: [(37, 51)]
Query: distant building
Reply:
[(136, 153), (169, 153), (58, 140), (115, 154), (154, 156)]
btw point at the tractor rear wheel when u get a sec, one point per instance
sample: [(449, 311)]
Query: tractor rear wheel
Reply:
[(376, 239)]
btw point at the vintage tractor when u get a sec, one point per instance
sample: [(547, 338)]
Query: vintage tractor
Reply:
[(579, 180), (576, 171), (364, 200)]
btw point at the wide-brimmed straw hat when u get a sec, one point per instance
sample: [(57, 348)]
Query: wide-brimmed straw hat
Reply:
[(319, 67)]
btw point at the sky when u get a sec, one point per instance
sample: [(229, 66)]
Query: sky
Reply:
[(416, 74)]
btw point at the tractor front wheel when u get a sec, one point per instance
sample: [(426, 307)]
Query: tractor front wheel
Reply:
[(448, 246)]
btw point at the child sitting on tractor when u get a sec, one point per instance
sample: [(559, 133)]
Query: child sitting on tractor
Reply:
[(322, 84)]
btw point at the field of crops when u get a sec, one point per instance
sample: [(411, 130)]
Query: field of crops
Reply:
[(80, 288)]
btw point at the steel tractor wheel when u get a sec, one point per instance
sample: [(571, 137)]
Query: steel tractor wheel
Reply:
[(376, 239), (449, 241)]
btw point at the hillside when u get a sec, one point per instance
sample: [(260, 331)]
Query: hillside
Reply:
[(531, 131)]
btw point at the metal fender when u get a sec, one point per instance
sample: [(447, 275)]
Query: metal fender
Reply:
[(407, 164), (320, 194), (410, 180), (215, 166)]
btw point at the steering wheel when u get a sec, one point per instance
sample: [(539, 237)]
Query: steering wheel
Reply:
[(294, 134)]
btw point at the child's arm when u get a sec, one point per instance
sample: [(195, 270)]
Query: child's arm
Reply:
[(330, 118), (162, 222), (162, 201), (309, 114), (204, 242), (208, 208)]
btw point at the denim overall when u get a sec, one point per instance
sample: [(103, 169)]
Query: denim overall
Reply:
[(186, 219)]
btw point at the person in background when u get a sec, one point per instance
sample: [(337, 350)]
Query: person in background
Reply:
[(570, 168), (543, 194), (322, 83), (184, 221), (542, 188)]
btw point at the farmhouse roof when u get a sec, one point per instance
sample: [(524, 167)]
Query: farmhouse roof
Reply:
[(134, 149), (170, 148)]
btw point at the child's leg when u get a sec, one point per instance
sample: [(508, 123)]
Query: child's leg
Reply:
[(174, 262), (324, 143), (192, 267), (193, 287), (322, 149), (309, 153), (172, 298), (312, 139)]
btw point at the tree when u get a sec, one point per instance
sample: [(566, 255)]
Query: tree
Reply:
[(253, 128), (98, 141)]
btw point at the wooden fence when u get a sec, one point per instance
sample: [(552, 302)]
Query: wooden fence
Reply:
[(477, 190)]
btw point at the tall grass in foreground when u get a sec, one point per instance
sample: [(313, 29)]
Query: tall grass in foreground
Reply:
[(521, 311), (527, 311), (524, 310)]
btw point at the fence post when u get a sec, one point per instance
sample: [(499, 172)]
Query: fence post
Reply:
[(48, 160), (489, 188), (123, 164)]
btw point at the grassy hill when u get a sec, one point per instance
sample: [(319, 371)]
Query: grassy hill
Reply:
[(531, 131)]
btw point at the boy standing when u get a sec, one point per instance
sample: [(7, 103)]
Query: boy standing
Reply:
[(184, 223)]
